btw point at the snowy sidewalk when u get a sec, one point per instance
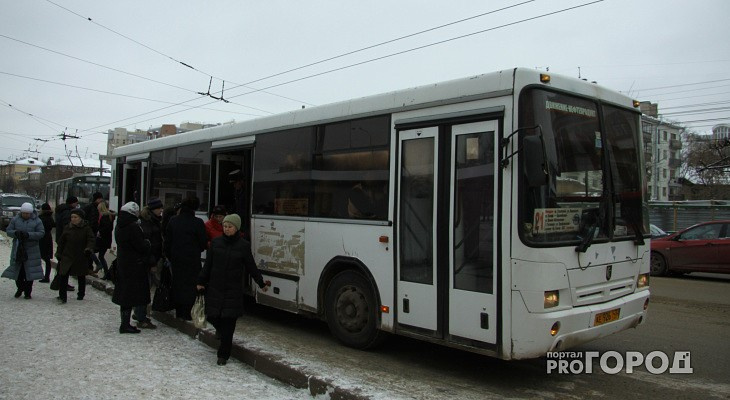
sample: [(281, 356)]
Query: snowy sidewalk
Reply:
[(74, 351)]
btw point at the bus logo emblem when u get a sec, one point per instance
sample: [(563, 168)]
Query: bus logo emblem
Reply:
[(609, 271)]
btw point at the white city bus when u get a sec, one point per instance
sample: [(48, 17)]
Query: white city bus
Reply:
[(504, 213)]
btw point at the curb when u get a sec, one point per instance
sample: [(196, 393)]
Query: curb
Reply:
[(266, 363)]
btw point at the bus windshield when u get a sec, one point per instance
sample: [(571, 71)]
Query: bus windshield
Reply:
[(594, 189)]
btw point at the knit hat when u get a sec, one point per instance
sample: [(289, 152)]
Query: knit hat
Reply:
[(79, 212), (154, 204), (96, 196), (131, 208), (191, 202), (218, 210), (46, 207), (234, 220), (26, 208), (72, 200)]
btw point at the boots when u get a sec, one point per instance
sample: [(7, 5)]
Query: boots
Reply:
[(28, 289), (126, 327)]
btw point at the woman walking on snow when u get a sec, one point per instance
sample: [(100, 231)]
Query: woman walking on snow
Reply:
[(26, 229), (222, 281), (75, 247)]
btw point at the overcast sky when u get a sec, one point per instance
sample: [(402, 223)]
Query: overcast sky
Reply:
[(127, 66)]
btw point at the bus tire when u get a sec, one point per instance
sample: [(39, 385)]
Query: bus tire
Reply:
[(658, 265), (351, 310)]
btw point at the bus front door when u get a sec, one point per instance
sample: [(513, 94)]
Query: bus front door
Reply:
[(472, 285), (446, 232)]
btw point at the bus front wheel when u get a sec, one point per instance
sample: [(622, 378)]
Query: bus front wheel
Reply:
[(351, 310)]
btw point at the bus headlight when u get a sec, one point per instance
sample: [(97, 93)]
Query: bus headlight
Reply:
[(552, 298), (642, 281)]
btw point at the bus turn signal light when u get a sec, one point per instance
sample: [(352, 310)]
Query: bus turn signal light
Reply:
[(642, 281), (384, 309), (555, 329), (544, 78)]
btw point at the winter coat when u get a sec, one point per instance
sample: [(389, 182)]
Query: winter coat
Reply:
[(152, 228), (222, 276), (132, 287), (104, 235), (32, 263), (91, 213), (63, 218), (184, 241), (73, 244), (213, 229), (46, 242)]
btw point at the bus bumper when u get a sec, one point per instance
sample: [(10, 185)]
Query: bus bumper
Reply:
[(531, 335)]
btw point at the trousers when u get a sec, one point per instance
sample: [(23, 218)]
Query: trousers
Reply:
[(63, 286), (225, 328), (22, 284)]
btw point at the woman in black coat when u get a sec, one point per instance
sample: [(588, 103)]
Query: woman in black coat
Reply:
[(47, 242), (222, 281), (132, 287), (184, 240)]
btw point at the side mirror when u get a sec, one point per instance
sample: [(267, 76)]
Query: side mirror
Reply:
[(535, 165)]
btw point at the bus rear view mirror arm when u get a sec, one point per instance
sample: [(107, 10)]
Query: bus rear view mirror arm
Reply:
[(506, 142)]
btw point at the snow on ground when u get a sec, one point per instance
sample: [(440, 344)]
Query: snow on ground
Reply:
[(75, 351)]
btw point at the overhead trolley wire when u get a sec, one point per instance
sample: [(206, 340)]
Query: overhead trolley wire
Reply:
[(97, 64), (187, 65), (421, 47), (366, 61), (388, 42)]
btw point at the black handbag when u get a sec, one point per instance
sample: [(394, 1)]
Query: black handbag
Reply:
[(162, 300)]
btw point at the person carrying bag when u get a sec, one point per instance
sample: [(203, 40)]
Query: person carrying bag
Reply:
[(222, 282)]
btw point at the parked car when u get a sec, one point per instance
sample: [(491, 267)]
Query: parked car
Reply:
[(703, 247), (10, 206), (656, 232)]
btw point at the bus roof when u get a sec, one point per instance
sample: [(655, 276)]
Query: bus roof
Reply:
[(489, 85)]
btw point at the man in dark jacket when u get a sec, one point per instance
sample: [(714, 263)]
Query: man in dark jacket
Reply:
[(63, 214), (47, 241), (222, 281), (132, 287), (184, 240), (92, 211), (151, 219), (63, 218)]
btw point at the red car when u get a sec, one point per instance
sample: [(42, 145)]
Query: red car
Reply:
[(703, 247)]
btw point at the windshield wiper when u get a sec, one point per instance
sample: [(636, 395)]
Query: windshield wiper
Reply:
[(589, 223)]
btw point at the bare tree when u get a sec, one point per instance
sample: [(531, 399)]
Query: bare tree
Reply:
[(706, 164)]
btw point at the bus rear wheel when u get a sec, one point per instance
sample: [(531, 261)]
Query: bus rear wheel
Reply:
[(351, 310)]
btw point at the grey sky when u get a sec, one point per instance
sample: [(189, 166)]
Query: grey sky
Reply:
[(631, 46)]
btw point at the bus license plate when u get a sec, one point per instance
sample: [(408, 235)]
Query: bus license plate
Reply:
[(607, 316)]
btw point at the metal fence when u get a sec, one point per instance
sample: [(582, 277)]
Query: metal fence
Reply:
[(676, 215)]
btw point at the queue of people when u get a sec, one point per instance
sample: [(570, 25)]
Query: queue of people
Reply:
[(147, 240)]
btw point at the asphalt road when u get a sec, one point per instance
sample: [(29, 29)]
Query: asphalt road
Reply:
[(686, 314)]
